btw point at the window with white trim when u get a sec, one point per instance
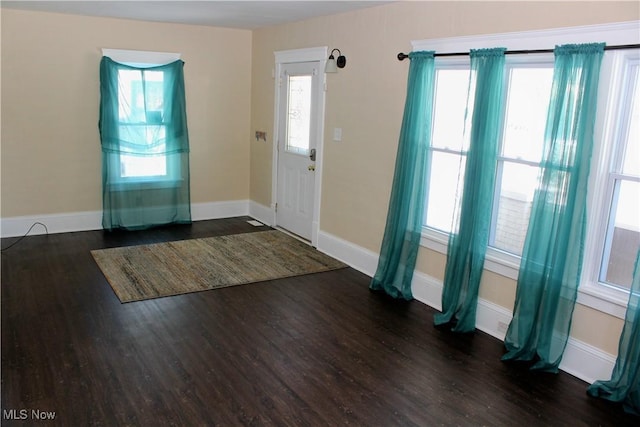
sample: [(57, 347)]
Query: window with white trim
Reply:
[(140, 122), (528, 88), (621, 201), (528, 92), (449, 145), (143, 117), (610, 169)]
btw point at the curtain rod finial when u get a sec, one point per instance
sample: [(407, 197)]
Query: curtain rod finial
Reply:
[(402, 56)]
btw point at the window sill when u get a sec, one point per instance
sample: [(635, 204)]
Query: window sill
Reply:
[(145, 184), (496, 261), (599, 297), (604, 298)]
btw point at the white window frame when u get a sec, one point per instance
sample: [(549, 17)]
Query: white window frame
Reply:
[(512, 62), (144, 59), (497, 260), (451, 63), (606, 152), (593, 295), (141, 58)]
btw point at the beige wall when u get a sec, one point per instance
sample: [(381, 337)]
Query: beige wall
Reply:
[(366, 100), (50, 99)]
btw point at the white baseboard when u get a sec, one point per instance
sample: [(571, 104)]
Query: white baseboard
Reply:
[(490, 317), (580, 359), (92, 220), (217, 210), (55, 223), (262, 213), (356, 256), (587, 362), (427, 290), (267, 216)]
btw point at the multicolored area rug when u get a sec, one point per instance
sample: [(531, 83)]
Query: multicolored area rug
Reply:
[(163, 269)]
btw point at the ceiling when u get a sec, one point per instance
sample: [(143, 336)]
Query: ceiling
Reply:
[(218, 13)]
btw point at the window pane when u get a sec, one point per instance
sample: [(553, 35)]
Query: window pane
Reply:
[(442, 198), (126, 80), (142, 139), (140, 96), (140, 167), (631, 164), (623, 240), (299, 114), (141, 132), (449, 109), (527, 105), (154, 96), (517, 188), (142, 142)]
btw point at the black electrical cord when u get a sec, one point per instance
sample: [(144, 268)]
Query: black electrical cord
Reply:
[(25, 235)]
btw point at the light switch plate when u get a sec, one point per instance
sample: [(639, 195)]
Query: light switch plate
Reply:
[(337, 134)]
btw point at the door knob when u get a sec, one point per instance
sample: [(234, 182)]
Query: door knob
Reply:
[(312, 154)]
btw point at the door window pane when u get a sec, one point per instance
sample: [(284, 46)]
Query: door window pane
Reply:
[(299, 114)]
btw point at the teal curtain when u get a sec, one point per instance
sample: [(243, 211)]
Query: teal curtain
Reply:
[(145, 146), (467, 246), (624, 385), (402, 233), (553, 250)]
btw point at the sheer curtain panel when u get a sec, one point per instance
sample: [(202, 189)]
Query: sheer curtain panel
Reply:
[(468, 246), (624, 385), (552, 256), (403, 229), (145, 145)]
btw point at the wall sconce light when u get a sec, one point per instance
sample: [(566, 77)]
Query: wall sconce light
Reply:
[(333, 64)]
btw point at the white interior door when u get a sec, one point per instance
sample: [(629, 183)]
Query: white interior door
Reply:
[(298, 123)]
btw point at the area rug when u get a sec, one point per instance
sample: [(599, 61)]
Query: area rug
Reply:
[(163, 269)]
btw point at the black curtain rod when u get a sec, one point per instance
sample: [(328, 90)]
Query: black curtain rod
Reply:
[(402, 56)]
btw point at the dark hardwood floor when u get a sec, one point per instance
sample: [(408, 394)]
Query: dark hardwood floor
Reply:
[(311, 350)]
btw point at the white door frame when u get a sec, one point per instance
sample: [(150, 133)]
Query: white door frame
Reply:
[(286, 57)]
